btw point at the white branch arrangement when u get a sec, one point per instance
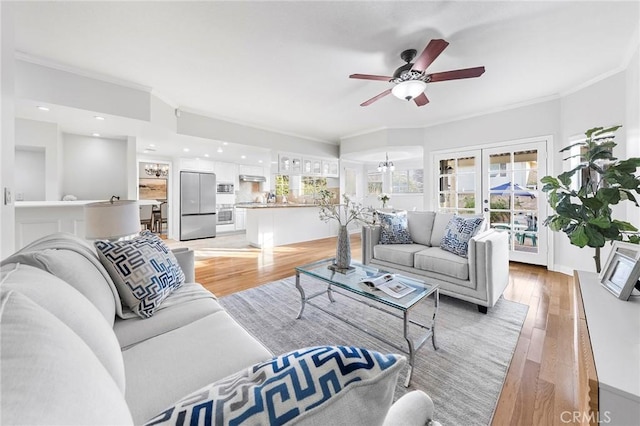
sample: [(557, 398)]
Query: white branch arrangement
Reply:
[(345, 213)]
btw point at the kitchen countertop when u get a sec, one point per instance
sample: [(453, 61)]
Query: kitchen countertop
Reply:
[(271, 205)]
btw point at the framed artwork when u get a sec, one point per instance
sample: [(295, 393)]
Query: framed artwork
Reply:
[(622, 269), (152, 189)]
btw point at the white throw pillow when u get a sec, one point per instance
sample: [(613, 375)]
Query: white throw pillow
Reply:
[(322, 385), (49, 375)]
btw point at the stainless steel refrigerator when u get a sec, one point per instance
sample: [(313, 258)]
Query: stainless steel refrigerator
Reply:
[(197, 205)]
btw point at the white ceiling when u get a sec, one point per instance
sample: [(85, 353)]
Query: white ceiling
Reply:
[(285, 65)]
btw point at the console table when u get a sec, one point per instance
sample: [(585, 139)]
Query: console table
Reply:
[(607, 346)]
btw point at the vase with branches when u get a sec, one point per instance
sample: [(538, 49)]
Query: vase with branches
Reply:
[(583, 211), (344, 213)]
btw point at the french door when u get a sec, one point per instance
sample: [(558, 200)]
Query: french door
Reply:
[(502, 184)]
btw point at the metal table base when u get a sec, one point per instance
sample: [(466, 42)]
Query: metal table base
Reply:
[(429, 329)]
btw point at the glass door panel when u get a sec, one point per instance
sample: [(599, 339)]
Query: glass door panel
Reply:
[(512, 198), (458, 185)]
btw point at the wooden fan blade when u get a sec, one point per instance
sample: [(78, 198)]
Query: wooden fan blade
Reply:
[(421, 100), (456, 74), (429, 54), (370, 77), (375, 98)]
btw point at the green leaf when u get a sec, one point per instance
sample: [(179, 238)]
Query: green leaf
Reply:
[(607, 130), (600, 222), (579, 237), (608, 195), (565, 178), (593, 203), (589, 132), (568, 148), (596, 239), (625, 226)]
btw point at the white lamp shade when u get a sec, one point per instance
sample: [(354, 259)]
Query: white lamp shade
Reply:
[(409, 89), (110, 221)]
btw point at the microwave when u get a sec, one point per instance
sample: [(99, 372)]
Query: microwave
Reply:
[(224, 188)]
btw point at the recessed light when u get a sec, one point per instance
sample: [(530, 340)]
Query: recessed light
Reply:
[(219, 150), (225, 143), (152, 145), (42, 108), (97, 117), (186, 149), (97, 135), (243, 156), (206, 155), (260, 161), (146, 151)]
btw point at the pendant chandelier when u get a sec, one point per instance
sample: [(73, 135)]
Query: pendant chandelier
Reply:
[(156, 170), (383, 166)]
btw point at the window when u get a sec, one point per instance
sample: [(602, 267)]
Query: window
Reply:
[(457, 184), (282, 185), (313, 185), (374, 183), (498, 169), (407, 181)]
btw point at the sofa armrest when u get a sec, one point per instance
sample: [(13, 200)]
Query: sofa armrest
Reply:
[(413, 408), (489, 263), (186, 260), (370, 237)]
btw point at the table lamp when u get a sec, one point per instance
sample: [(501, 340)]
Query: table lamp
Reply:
[(111, 220)]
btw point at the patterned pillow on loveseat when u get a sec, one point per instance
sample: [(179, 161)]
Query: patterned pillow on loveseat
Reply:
[(318, 385), (458, 233), (394, 228), (144, 270)]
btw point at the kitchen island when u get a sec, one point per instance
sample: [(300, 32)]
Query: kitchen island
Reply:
[(277, 224)]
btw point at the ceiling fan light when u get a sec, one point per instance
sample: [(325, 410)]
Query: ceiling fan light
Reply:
[(408, 90)]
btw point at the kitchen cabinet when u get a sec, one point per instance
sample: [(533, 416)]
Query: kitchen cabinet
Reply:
[(307, 166), (241, 219), (226, 172), (330, 168), (197, 165)]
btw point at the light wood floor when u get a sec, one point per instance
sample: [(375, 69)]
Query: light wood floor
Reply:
[(540, 383)]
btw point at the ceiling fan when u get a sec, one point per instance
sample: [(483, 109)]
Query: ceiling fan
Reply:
[(411, 79)]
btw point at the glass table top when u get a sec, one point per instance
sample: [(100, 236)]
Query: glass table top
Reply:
[(352, 282)]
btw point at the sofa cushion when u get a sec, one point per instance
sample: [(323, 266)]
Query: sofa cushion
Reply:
[(187, 359), (83, 276), (440, 223), (394, 228), (192, 303), (401, 254), (318, 385), (74, 310), (144, 270), (458, 233), (434, 259), (49, 374), (421, 226)]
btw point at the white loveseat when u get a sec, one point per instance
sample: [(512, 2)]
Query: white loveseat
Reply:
[(479, 278), (72, 354)]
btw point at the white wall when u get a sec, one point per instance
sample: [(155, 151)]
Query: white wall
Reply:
[(632, 123), (44, 136), (30, 174), (94, 168), (7, 114), (601, 104)]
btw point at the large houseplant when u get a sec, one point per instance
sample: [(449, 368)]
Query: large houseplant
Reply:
[(583, 211)]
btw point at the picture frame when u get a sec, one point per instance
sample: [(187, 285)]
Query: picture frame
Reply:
[(621, 272), (627, 249)]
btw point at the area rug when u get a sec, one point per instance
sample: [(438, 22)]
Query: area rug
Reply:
[(464, 376)]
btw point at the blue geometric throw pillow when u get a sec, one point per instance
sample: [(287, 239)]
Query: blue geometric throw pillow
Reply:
[(458, 233), (322, 384), (394, 228), (144, 270)]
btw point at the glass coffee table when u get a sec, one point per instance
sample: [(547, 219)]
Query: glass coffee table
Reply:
[(400, 307)]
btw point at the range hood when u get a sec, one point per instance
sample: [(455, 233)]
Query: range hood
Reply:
[(251, 178)]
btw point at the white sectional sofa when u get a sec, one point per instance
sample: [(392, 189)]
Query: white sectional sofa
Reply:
[(479, 278), (71, 353)]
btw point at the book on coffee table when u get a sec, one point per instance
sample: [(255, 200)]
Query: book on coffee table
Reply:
[(389, 284)]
